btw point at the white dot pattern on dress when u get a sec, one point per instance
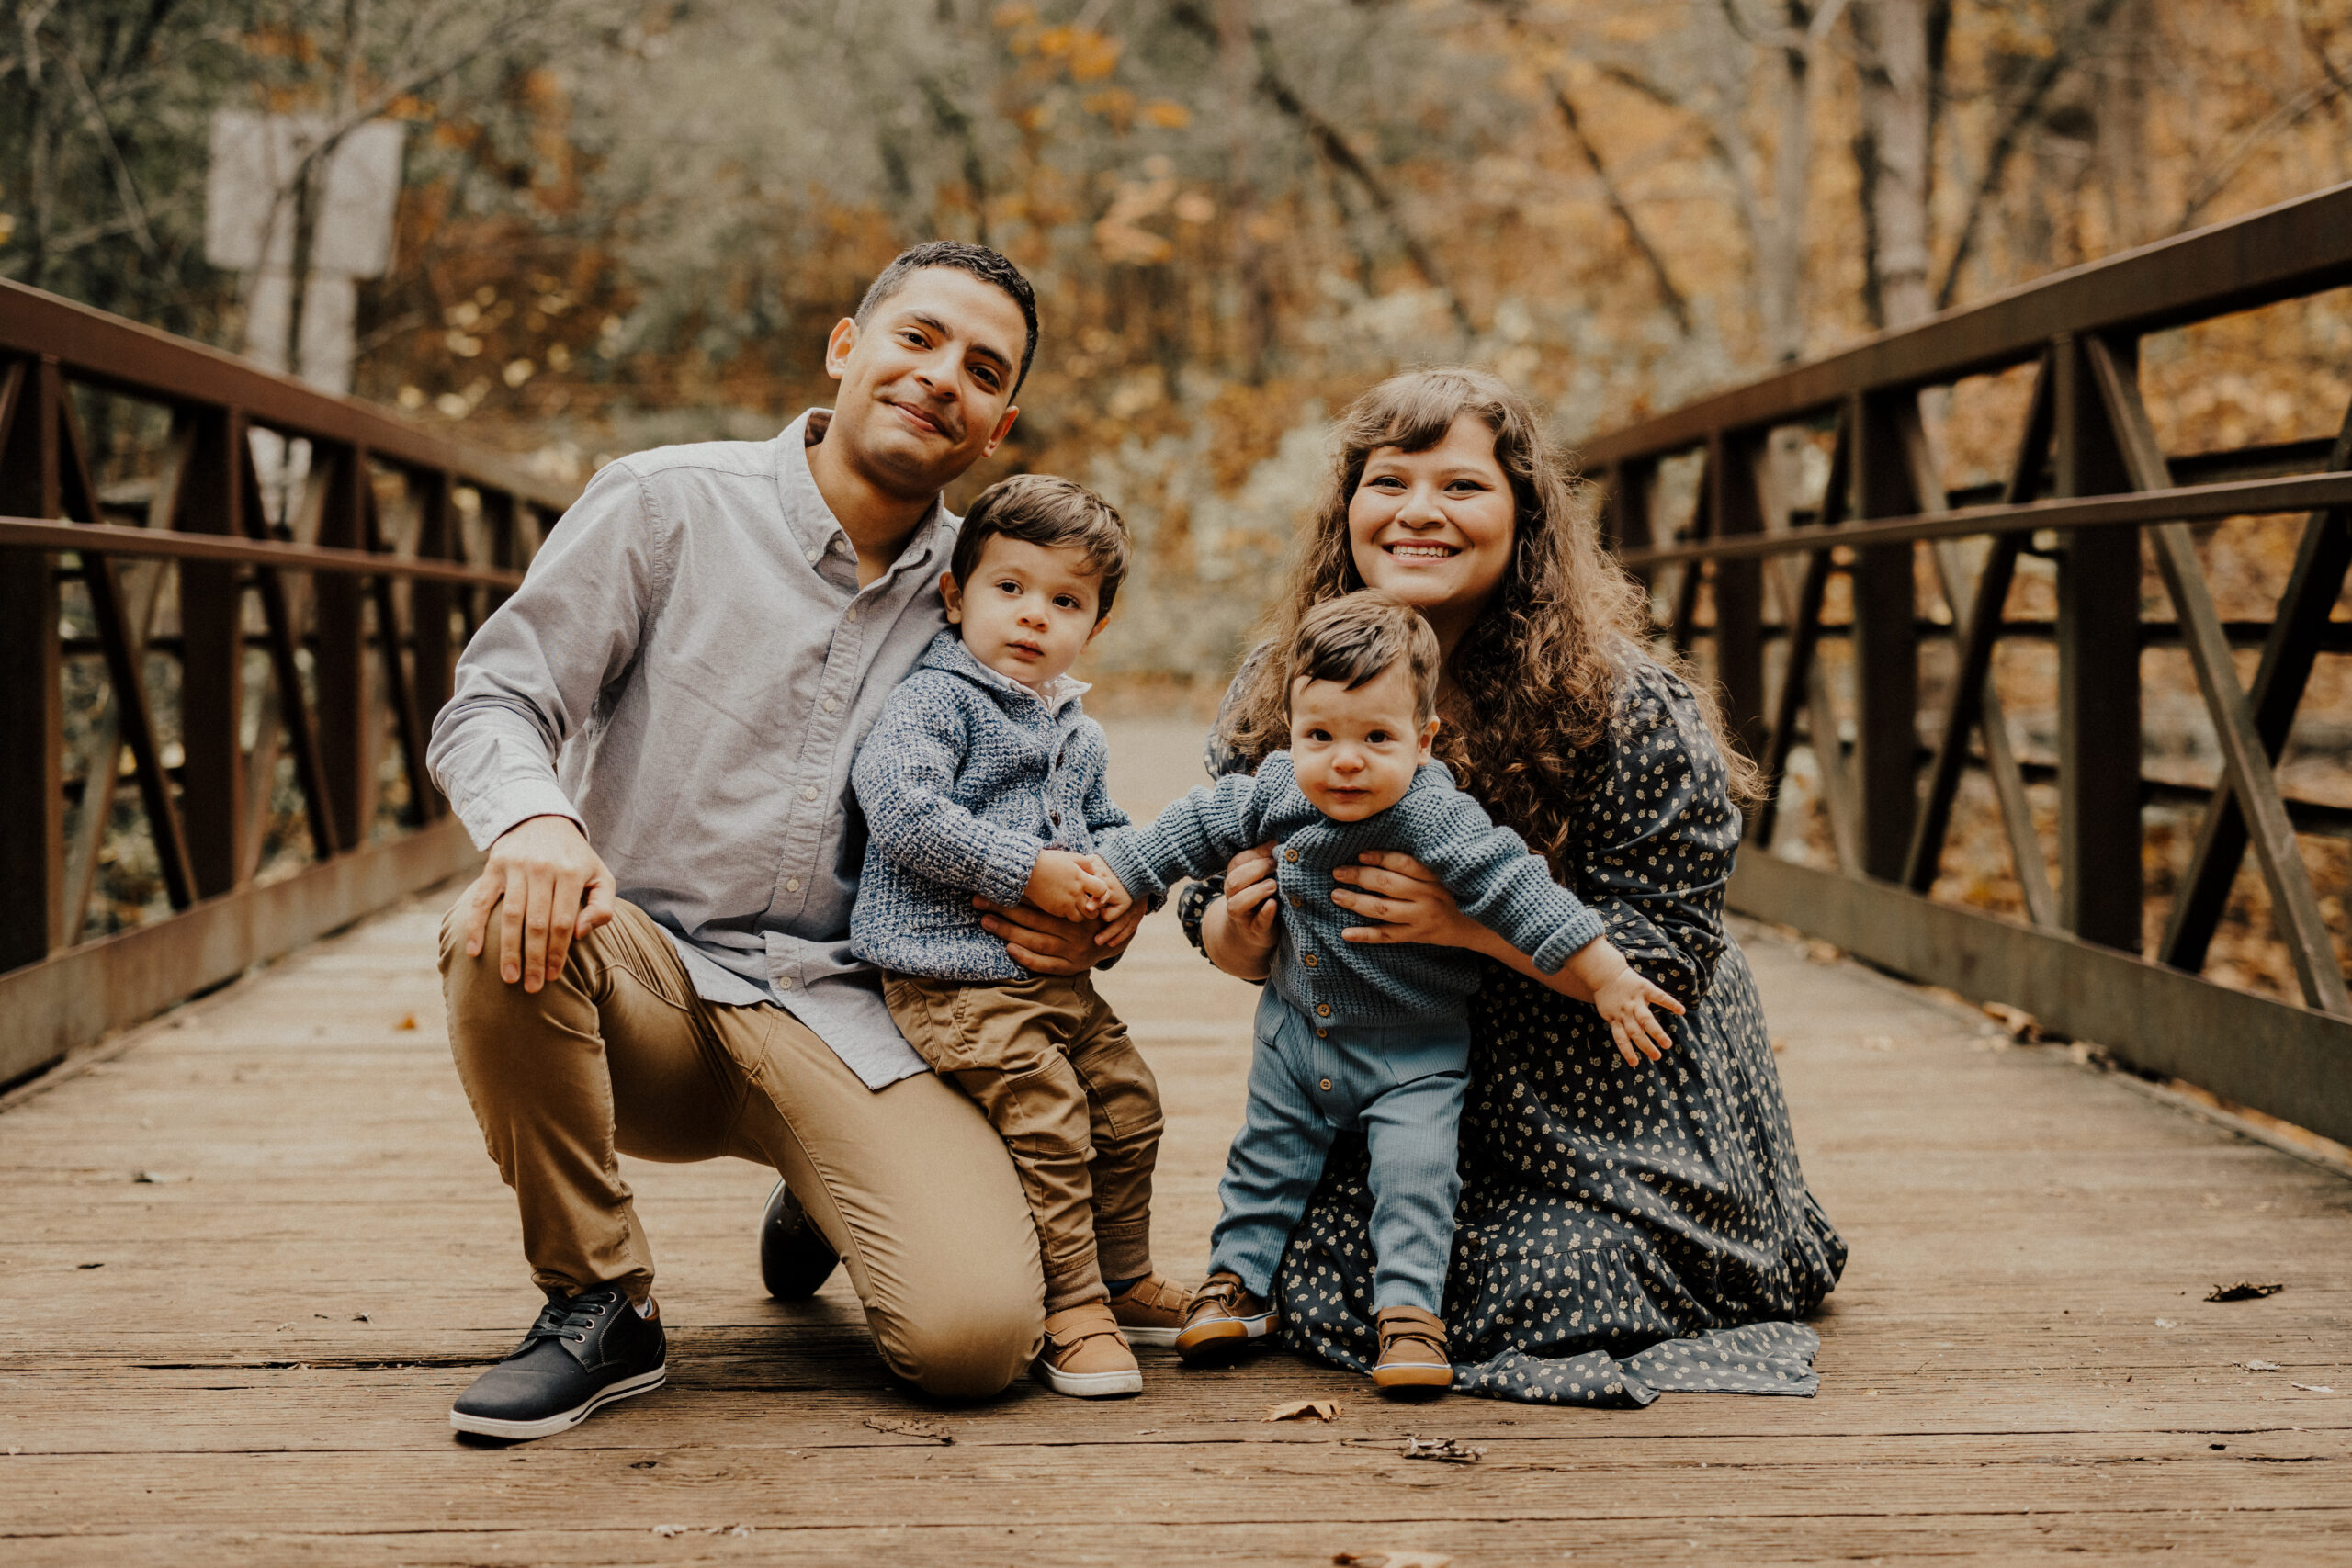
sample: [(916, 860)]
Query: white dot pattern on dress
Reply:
[(1623, 1231)]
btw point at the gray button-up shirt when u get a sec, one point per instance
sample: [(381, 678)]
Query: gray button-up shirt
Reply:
[(687, 673)]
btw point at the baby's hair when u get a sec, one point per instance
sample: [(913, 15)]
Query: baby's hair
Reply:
[(1355, 638), (1040, 509)]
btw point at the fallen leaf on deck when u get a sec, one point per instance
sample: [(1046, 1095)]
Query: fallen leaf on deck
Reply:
[(408, 1021), (2021, 1024), (1299, 1409), (362, 1317), (154, 1178), (1779, 1043), (1445, 1451), (2311, 1388), (2167, 1322), (1390, 1560), (666, 1531), (2260, 1366), (930, 1431), (2244, 1290)]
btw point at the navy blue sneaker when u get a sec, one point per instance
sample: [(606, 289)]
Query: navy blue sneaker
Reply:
[(582, 1354), (795, 1257)]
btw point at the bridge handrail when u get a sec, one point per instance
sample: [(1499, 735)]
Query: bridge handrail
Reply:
[(356, 593), (1748, 564)]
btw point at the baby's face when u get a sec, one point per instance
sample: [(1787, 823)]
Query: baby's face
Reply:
[(1029, 610), (1355, 753)]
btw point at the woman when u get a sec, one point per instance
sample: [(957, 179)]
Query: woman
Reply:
[(1624, 1228)]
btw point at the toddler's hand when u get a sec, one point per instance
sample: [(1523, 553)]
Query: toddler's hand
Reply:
[(1069, 887), (1623, 997), (1118, 900)]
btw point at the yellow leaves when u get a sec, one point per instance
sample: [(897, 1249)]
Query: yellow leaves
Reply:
[(1114, 104), (1017, 14), (1167, 114)]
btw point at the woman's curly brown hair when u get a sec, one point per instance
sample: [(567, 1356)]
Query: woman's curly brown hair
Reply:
[(1542, 665)]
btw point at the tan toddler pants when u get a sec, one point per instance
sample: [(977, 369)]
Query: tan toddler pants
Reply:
[(1052, 1066), (616, 1055)]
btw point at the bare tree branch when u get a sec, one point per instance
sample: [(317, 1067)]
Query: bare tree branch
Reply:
[(1669, 295)]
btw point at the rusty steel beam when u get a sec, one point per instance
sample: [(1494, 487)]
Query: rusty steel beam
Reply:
[(123, 356), (111, 540), (2295, 248)]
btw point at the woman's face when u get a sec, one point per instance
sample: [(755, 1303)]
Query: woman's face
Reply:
[(1435, 528)]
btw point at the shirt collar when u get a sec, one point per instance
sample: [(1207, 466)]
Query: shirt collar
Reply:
[(811, 522), (947, 652)]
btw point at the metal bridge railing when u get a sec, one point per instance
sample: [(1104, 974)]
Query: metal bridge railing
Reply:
[(2089, 487), (357, 608)]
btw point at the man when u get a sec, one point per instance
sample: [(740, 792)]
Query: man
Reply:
[(655, 959)]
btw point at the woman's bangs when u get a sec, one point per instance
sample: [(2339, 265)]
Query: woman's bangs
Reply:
[(1415, 417)]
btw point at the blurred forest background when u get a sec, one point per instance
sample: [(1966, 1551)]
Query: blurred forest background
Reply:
[(624, 223)]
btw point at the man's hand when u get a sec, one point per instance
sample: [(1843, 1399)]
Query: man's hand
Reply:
[(1068, 886), (1047, 944), (555, 888)]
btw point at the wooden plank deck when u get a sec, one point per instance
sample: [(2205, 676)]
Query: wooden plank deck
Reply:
[(248, 1357)]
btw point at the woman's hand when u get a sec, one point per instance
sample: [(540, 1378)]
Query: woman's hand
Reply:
[(1046, 945), (1237, 931), (1407, 900)]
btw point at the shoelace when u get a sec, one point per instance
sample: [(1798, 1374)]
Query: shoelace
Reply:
[(580, 1311)]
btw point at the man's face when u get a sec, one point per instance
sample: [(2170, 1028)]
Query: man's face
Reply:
[(927, 381)]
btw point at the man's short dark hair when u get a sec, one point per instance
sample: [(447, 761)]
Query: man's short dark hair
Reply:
[(988, 266), (1354, 638), (1040, 509)]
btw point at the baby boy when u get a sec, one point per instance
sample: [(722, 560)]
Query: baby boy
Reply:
[(984, 777), (1348, 1034)]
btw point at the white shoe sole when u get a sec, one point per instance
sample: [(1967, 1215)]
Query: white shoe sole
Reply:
[(1162, 1337), (564, 1420), (1088, 1385)]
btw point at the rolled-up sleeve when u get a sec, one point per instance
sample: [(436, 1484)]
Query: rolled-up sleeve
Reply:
[(531, 676)]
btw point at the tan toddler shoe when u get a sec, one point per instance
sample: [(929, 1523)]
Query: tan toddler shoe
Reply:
[(1084, 1355), (1412, 1353), (1151, 1310), (1222, 1321)]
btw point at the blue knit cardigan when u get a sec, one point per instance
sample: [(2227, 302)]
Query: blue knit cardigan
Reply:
[(966, 776), (1490, 871)]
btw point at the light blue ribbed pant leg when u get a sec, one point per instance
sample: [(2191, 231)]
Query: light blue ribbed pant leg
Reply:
[(1276, 1159), (1415, 1184)]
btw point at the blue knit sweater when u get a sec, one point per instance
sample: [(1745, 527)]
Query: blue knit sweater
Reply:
[(966, 776), (1489, 870)]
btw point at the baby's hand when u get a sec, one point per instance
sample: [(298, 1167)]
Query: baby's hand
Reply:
[(1623, 997), (1118, 901), (1069, 887)]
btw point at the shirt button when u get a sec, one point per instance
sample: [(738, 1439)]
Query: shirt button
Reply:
[(784, 982), (1327, 1084), (814, 556), (808, 793), (792, 885), (853, 614), (1322, 1009), (833, 704)]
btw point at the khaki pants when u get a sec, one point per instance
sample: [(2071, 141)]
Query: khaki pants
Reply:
[(1052, 1066), (617, 1054)]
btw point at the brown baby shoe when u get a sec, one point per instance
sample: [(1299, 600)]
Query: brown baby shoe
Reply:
[(1222, 1321), (1412, 1353), (1084, 1355), (1151, 1310)]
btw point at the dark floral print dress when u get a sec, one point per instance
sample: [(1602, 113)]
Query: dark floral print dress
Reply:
[(1622, 1230)]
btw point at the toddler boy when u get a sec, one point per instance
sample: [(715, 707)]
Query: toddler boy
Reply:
[(984, 775), (1356, 1034)]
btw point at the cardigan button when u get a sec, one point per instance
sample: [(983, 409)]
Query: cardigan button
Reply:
[(1311, 961), (1291, 855), (1322, 1034), (1326, 1085), (1322, 1009)]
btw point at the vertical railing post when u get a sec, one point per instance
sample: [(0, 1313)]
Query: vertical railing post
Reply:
[(212, 658), (2098, 674), (1735, 462), (32, 712), (1886, 644), (430, 602), (339, 622)]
